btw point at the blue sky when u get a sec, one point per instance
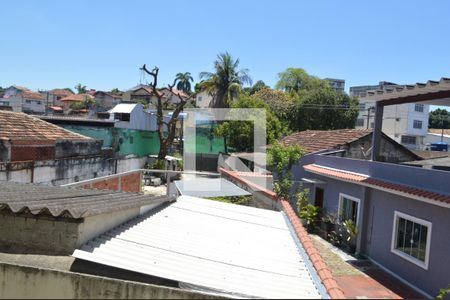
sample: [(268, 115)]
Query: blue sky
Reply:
[(102, 44)]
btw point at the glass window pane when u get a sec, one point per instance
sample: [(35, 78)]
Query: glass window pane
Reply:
[(415, 240), (408, 237), (423, 243), (400, 234)]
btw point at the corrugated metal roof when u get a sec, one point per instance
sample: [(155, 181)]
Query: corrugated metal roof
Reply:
[(238, 250), (209, 187), (19, 198)]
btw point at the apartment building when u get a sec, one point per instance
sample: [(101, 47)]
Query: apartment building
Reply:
[(405, 123)]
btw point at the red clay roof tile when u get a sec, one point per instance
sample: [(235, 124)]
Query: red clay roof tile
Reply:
[(317, 140), (20, 128), (376, 183)]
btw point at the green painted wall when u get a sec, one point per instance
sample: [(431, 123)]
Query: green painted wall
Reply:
[(206, 141), (124, 141)]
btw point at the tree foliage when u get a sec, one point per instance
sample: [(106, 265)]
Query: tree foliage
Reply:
[(240, 134), (439, 118), (81, 89), (316, 105), (279, 102), (259, 85), (226, 82), (184, 82), (296, 80), (324, 109), (281, 158)]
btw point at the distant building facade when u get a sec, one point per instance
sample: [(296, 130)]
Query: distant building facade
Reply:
[(407, 123), (336, 84)]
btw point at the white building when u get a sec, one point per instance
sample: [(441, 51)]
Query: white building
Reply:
[(20, 99), (133, 116), (203, 99), (405, 123)]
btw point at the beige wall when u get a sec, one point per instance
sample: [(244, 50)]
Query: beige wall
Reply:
[(20, 282)]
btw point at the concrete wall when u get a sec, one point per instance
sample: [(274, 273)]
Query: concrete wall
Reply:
[(56, 236), (64, 171), (381, 220), (21, 282), (69, 148)]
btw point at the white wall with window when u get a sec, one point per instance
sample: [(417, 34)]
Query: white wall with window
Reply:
[(411, 238)]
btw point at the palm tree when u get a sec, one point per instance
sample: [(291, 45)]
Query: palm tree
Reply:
[(81, 88), (184, 82), (226, 82)]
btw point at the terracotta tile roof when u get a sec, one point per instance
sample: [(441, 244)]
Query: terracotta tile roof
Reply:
[(377, 183), (32, 95), (20, 128), (77, 97), (60, 92), (176, 92), (317, 140)]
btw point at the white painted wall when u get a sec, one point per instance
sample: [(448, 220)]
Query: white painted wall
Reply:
[(203, 99), (398, 120)]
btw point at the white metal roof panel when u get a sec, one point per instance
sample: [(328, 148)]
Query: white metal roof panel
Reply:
[(239, 250), (209, 187), (124, 108)]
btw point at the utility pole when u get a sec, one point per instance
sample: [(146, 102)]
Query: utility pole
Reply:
[(368, 115)]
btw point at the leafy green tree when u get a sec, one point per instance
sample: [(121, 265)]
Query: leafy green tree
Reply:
[(226, 82), (239, 134), (440, 119), (81, 89), (279, 102), (87, 103), (295, 80), (324, 109), (281, 158), (317, 106), (259, 85), (116, 91), (184, 82)]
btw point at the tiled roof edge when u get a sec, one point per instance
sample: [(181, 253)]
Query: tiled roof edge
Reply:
[(317, 261)]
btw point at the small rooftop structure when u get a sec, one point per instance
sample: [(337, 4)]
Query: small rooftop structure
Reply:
[(123, 108), (57, 220), (215, 247)]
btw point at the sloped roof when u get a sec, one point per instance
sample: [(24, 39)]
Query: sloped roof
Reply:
[(109, 94), (236, 250), (378, 184), (77, 97), (124, 108), (19, 198), (317, 140), (32, 95), (19, 127), (61, 92)]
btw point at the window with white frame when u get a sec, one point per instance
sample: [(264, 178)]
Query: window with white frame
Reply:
[(411, 238), (360, 122), (348, 208), (417, 124), (419, 107)]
